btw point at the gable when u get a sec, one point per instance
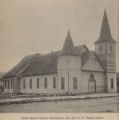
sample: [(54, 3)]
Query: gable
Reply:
[(21, 65), (92, 64), (37, 64)]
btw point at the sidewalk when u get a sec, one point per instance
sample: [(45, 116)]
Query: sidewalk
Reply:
[(57, 98)]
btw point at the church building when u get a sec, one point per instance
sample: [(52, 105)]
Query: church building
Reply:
[(72, 70)]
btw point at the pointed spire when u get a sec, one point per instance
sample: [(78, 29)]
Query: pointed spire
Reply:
[(105, 29), (68, 47), (105, 34)]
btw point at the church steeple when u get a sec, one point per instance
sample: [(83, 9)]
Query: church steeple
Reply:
[(68, 47), (105, 34), (105, 46)]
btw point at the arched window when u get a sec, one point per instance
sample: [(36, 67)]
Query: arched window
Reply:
[(92, 78)]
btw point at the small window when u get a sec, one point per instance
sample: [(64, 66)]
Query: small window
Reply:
[(46, 86), (11, 83), (54, 82), (62, 83), (30, 86), (75, 83), (8, 85), (5, 84), (112, 83), (24, 83), (38, 86)]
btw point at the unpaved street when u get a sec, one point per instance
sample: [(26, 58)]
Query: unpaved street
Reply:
[(110, 104)]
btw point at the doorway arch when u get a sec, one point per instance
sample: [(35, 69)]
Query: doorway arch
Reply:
[(92, 84)]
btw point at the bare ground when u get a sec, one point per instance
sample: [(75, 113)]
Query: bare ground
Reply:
[(110, 104)]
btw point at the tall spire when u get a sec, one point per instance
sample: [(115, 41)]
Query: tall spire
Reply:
[(105, 34), (68, 47)]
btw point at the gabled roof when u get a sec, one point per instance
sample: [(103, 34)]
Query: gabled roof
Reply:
[(90, 57), (105, 34), (20, 66), (68, 47), (84, 53), (42, 65), (37, 64)]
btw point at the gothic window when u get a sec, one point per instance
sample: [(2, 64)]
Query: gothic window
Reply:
[(46, 83), (62, 83), (38, 81), (75, 83), (24, 84), (54, 82), (112, 83), (30, 84)]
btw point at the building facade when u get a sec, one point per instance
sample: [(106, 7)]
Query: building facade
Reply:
[(73, 70)]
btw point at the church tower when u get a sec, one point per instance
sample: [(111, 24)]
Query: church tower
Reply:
[(68, 68), (105, 48)]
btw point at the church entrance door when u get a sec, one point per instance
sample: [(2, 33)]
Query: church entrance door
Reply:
[(92, 84)]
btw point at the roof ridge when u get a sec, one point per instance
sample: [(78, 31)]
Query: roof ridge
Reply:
[(99, 60), (58, 51), (17, 65), (26, 66), (40, 64)]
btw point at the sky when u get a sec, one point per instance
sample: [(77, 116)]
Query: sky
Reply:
[(40, 26)]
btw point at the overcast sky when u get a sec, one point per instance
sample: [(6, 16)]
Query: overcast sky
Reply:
[(40, 26)]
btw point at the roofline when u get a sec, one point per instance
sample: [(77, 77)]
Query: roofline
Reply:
[(39, 74), (101, 41), (86, 48), (97, 59), (26, 66), (69, 54), (92, 70)]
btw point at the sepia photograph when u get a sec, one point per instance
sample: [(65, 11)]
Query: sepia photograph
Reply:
[(59, 56)]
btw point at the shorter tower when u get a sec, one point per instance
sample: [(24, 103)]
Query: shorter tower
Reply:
[(68, 68), (105, 48)]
